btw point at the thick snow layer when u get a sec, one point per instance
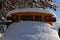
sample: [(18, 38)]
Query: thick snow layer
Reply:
[(31, 10), (56, 25), (1, 35), (29, 30)]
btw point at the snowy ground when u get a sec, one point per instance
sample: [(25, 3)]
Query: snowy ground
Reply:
[(29, 30), (1, 35)]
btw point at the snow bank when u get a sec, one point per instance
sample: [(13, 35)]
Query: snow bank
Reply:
[(56, 25), (31, 10), (29, 30), (1, 35)]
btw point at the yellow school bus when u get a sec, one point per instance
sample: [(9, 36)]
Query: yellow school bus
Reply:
[(31, 14)]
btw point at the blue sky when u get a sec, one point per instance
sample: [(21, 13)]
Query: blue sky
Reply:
[(57, 12)]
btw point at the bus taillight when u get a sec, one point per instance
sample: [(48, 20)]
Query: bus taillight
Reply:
[(14, 18), (53, 19), (47, 18), (9, 18), (50, 18)]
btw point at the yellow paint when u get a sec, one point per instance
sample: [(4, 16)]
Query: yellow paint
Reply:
[(42, 14)]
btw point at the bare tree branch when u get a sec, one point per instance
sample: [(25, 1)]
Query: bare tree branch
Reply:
[(8, 5)]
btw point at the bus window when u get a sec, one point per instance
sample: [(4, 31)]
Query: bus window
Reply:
[(26, 18), (37, 18)]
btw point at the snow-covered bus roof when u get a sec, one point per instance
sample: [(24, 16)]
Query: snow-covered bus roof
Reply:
[(31, 10)]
